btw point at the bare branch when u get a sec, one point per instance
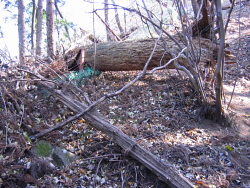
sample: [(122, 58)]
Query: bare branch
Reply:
[(170, 61), (107, 26), (220, 65), (92, 105)]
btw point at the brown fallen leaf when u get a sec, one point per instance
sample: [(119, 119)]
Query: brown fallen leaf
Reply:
[(83, 172)]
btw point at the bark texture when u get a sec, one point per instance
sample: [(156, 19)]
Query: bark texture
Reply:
[(21, 31), (106, 15), (195, 7), (132, 55), (33, 24), (50, 28), (164, 171), (39, 28), (220, 65), (203, 26), (117, 19)]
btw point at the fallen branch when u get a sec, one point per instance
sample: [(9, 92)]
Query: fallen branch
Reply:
[(164, 171), (92, 105), (132, 55)]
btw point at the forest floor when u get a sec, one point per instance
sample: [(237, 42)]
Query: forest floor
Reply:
[(160, 111), (241, 99)]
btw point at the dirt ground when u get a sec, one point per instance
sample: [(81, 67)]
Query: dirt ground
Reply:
[(241, 99)]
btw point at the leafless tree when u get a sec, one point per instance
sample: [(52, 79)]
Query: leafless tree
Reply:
[(118, 19), (50, 28), (106, 19), (21, 31), (33, 24), (39, 28)]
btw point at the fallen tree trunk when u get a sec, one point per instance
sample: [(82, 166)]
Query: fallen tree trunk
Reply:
[(132, 55), (164, 171)]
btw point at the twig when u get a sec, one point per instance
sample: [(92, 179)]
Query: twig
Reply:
[(118, 38), (90, 107), (4, 103), (97, 169), (84, 94), (147, 19), (163, 170), (26, 80), (170, 61), (21, 119), (122, 179), (100, 157), (40, 77), (229, 14), (184, 69)]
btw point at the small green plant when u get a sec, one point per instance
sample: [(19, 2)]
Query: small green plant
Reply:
[(43, 149)]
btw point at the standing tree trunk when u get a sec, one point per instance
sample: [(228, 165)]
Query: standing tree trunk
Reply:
[(39, 28), (61, 16), (117, 19), (195, 7), (50, 28), (203, 25), (106, 15), (33, 25), (21, 31), (220, 65)]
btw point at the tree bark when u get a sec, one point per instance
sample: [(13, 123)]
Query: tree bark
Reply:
[(106, 18), (164, 171), (195, 7), (39, 28), (132, 55), (118, 19), (50, 28), (220, 65), (203, 26), (33, 24), (21, 31)]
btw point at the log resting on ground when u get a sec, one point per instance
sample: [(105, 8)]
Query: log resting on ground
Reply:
[(164, 171), (132, 55)]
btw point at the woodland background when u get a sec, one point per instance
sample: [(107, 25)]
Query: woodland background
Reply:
[(149, 94)]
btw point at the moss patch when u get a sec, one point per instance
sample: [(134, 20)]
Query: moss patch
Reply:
[(43, 149)]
